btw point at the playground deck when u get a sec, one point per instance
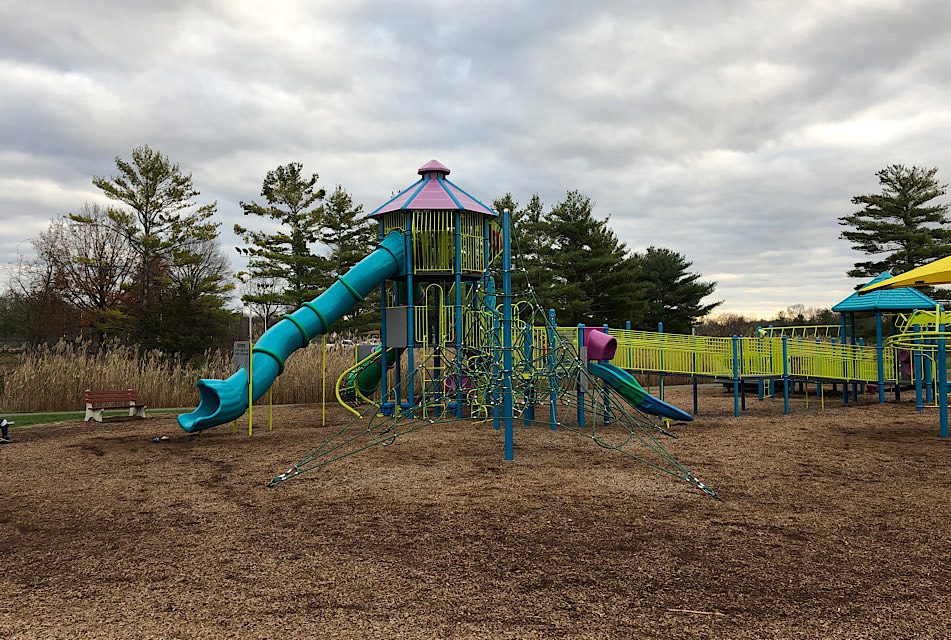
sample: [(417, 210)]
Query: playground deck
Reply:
[(843, 536)]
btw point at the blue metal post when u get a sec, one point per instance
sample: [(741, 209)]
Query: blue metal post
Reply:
[(582, 368), (398, 369), (696, 404), (880, 350), (552, 374), (607, 393), (383, 363), (457, 268), (759, 351), (785, 378), (916, 369), (410, 317), (507, 334), (736, 377), (627, 325), (844, 340), (660, 378), (942, 382)]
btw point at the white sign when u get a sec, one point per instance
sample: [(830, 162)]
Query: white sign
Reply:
[(241, 354)]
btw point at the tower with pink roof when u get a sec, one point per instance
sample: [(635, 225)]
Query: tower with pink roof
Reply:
[(445, 298)]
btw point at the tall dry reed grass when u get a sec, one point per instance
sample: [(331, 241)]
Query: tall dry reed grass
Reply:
[(53, 378)]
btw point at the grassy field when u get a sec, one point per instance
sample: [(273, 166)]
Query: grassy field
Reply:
[(21, 420)]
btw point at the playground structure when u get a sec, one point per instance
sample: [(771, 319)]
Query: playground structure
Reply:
[(454, 347)]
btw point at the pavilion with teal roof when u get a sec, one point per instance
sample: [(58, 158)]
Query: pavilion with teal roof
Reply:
[(877, 303)]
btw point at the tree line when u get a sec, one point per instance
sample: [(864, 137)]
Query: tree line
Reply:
[(149, 269)]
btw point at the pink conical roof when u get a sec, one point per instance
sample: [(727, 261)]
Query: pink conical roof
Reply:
[(434, 191), (433, 165)]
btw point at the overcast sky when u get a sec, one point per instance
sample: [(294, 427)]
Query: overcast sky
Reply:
[(734, 132)]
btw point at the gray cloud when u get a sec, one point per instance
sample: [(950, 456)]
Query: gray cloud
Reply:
[(735, 132)]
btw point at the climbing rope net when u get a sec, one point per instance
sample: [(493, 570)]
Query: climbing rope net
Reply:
[(546, 370)]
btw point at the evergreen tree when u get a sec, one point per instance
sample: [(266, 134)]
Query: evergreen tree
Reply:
[(592, 277), (349, 236), (528, 240), (162, 223), (295, 202), (197, 292), (671, 293), (902, 226)]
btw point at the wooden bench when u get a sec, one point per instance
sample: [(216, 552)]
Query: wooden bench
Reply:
[(97, 401)]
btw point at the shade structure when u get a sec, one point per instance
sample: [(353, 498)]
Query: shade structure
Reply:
[(937, 272), (896, 299)]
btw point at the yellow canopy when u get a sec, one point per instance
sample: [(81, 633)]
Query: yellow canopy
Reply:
[(937, 272)]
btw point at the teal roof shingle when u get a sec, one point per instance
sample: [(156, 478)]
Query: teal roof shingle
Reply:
[(902, 299)]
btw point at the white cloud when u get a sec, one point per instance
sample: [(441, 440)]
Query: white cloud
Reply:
[(735, 132)]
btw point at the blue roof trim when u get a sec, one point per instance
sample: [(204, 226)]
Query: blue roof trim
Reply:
[(442, 183), (415, 193), (394, 197), (469, 195), (901, 299)]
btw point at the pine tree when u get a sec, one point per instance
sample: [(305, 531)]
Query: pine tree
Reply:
[(349, 236), (671, 293), (528, 242), (902, 225), (294, 201), (591, 275), (161, 222)]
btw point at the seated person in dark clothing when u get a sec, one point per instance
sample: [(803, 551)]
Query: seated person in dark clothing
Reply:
[(4, 431)]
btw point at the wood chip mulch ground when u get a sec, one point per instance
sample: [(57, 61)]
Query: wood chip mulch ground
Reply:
[(834, 524)]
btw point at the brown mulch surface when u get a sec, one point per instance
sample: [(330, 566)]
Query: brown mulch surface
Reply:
[(834, 525)]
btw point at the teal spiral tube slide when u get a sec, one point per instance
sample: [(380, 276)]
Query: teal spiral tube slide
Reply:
[(222, 401)]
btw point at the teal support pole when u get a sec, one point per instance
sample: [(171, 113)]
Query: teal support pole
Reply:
[(552, 373), (607, 393), (457, 268), (660, 378), (410, 318), (736, 377), (759, 350), (383, 363), (880, 350), (507, 407), (398, 369), (582, 369), (696, 404), (627, 325), (844, 340), (916, 370), (785, 377), (942, 382)]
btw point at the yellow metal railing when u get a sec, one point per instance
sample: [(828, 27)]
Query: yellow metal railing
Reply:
[(822, 331)]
